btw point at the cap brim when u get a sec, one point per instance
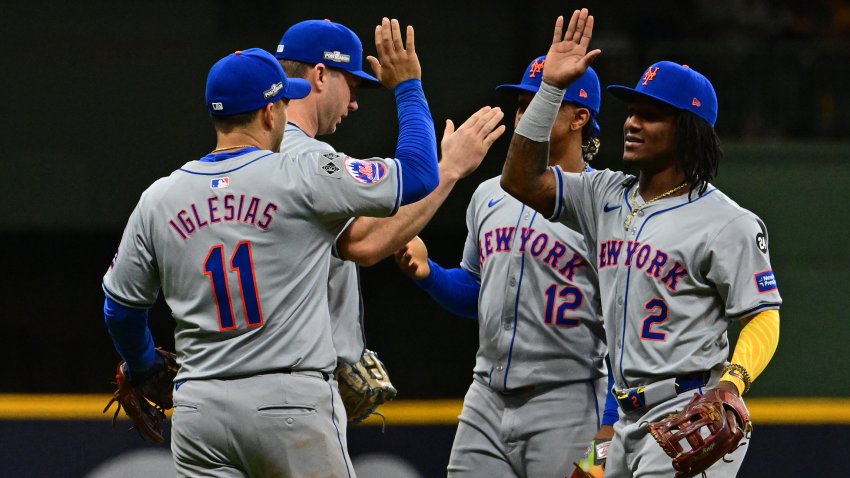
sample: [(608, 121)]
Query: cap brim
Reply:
[(367, 80), (624, 93), (296, 88), (506, 89)]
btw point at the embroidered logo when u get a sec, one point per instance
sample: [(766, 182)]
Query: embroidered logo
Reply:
[(536, 67), (219, 183), (582, 93), (649, 75), (217, 106), (273, 90), (330, 165), (366, 172), (696, 102), (337, 57)]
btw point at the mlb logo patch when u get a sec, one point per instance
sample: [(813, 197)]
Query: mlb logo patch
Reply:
[(219, 183), (765, 281), (366, 172)]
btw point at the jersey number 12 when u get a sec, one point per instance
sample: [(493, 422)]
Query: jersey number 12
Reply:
[(242, 263)]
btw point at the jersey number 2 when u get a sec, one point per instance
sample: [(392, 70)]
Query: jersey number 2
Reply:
[(660, 315), (242, 263)]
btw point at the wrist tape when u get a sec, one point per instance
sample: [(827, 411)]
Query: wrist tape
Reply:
[(536, 123)]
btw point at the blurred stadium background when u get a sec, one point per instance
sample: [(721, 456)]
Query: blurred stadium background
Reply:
[(101, 98)]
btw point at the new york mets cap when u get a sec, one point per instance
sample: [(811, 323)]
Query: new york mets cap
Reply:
[(585, 91), (327, 42), (679, 86), (249, 80)]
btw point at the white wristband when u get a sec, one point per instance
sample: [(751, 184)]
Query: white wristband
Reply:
[(536, 123)]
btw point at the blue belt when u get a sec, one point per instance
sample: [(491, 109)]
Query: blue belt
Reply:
[(635, 399)]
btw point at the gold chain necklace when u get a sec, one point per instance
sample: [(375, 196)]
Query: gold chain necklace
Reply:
[(636, 209), (232, 147)]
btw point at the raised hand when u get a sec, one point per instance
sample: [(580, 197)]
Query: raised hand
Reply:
[(464, 149), (412, 259), (397, 61), (568, 57)]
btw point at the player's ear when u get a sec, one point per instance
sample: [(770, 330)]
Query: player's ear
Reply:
[(268, 114), (319, 77), (580, 118)]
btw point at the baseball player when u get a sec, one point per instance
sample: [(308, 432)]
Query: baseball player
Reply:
[(239, 243), (678, 260), (330, 56), (539, 383)]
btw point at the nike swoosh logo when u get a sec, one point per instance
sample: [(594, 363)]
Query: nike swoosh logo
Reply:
[(493, 202), (611, 208)]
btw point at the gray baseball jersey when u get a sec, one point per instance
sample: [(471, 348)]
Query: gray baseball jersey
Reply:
[(344, 299), (539, 312), (674, 279), (240, 248)]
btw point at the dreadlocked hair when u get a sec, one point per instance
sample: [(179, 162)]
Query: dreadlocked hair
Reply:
[(698, 149), (589, 143)]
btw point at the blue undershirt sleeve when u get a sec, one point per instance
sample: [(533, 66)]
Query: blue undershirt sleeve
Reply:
[(456, 290), (611, 414), (417, 142), (130, 334)]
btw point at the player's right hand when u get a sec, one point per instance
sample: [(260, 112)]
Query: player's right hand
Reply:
[(464, 149), (412, 259), (397, 61), (568, 57)]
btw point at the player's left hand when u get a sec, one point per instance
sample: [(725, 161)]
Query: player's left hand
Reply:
[(412, 259), (464, 149), (568, 57), (397, 61)]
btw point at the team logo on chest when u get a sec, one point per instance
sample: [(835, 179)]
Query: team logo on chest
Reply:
[(366, 172)]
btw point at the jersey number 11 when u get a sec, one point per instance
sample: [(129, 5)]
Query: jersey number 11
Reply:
[(242, 263)]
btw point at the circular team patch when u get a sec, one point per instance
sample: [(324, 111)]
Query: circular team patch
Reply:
[(761, 242), (365, 171)]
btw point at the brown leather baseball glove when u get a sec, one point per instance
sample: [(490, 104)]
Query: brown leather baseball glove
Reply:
[(364, 386), (146, 397), (713, 425)]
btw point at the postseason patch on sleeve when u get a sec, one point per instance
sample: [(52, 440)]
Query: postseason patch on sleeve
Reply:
[(366, 171), (765, 281), (330, 165)]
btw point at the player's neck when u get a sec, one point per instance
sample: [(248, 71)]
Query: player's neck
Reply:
[(567, 155), (654, 183), (236, 139), (303, 114)]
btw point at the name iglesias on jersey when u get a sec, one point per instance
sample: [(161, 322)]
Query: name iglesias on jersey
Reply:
[(228, 209)]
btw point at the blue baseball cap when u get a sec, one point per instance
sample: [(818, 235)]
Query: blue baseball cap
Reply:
[(249, 80), (676, 85), (327, 42), (585, 91)]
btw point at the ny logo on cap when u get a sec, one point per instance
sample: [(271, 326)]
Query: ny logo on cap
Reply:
[(536, 67), (649, 75)]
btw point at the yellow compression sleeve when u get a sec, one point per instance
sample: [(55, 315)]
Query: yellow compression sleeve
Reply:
[(756, 345)]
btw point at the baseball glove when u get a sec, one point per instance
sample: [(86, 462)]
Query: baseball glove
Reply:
[(146, 397), (712, 424), (592, 464), (364, 386)]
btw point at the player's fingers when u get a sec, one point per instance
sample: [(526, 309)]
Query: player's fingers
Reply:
[(588, 58), (474, 122), (582, 22), (493, 136), (571, 28), (379, 40), (396, 35), (450, 128), (375, 64), (386, 36), (558, 34), (410, 44), (492, 119), (587, 33)]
